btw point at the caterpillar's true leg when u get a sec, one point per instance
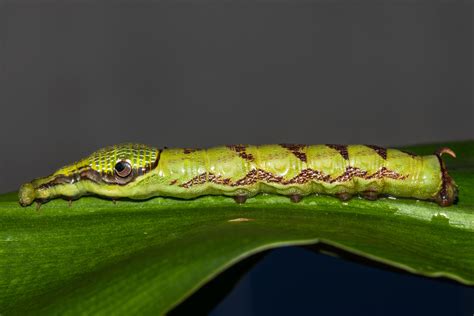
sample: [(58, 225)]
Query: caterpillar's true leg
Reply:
[(70, 202)]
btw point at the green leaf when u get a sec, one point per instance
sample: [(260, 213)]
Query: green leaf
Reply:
[(147, 257)]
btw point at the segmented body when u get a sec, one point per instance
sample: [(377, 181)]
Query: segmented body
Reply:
[(242, 171)]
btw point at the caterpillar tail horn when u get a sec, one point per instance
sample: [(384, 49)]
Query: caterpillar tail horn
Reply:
[(448, 193)]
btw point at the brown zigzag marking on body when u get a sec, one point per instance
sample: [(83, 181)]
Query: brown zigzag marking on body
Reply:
[(308, 174), (240, 150), (379, 150), (350, 173), (200, 179), (409, 153), (218, 179), (386, 173), (342, 149), (189, 150), (296, 149), (303, 177)]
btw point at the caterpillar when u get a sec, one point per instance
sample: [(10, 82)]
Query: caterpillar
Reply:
[(137, 171)]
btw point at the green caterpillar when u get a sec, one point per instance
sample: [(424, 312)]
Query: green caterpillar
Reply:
[(139, 172)]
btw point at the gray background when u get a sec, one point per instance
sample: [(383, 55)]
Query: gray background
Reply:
[(78, 75)]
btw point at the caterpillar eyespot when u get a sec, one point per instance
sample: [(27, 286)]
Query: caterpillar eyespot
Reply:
[(138, 171), (123, 168)]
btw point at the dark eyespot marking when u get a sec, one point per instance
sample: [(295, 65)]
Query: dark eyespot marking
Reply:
[(123, 168)]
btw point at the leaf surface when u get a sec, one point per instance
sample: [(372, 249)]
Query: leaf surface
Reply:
[(147, 257)]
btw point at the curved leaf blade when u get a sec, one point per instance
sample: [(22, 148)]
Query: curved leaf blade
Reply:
[(148, 256)]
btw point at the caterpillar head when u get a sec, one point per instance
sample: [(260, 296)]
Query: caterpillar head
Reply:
[(105, 169)]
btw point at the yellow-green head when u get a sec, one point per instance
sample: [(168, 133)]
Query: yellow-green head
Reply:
[(116, 165)]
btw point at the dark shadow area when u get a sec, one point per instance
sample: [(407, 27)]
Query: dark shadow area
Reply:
[(221, 289), (298, 281), (349, 256), (207, 297)]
